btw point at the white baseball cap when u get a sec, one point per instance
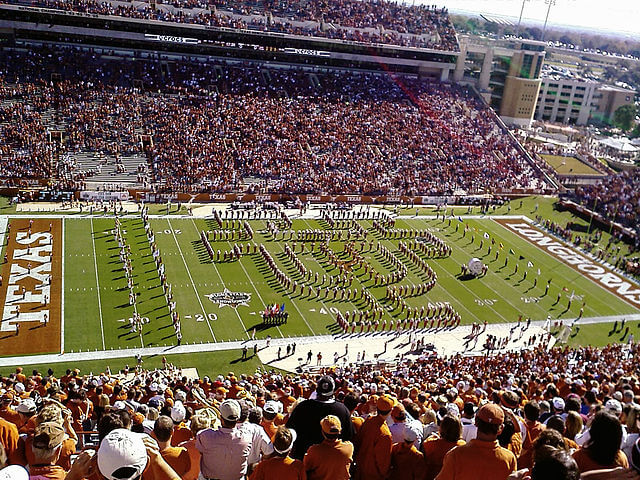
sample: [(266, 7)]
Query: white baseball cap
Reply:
[(613, 406), (122, 455), (178, 412), (14, 472), (230, 410)]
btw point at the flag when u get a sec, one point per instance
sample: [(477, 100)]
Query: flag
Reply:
[(529, 264), (485, 235), (282, 308), (511, 252)]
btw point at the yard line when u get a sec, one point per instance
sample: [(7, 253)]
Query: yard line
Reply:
[(62, 293), (244, 328), (95, 265), (204, 313)]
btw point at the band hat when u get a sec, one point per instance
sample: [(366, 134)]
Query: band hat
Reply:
[(14, 472), (48, 435), (230, 410), (331, 425), (122, 452)]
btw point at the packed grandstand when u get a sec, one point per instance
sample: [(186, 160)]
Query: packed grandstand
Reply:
[(188, 123)]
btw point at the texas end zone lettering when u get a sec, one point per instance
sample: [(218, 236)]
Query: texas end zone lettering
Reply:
[(602, 275), (29, 281)]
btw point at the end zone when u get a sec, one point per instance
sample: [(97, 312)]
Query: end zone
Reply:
[(601, 275), (31, 290)]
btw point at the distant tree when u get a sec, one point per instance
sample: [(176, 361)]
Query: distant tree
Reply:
[(635, 133), (624, 117), (566, 39), (535, 33)]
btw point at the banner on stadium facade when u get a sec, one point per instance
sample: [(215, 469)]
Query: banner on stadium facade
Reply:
[(95, 196)]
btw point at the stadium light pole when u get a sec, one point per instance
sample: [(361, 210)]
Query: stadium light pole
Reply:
[(520, 19), (544, 29)]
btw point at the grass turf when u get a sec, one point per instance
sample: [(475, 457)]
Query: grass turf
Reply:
[(500, 296), (569, 165)]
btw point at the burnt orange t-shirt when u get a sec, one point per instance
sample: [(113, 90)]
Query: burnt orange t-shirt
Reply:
[(434, 451), (586, 464), (407, 463), (279, 468), (178, 459), (50, 472)]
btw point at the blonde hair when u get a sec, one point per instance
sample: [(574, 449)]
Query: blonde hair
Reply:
[(573, 425)]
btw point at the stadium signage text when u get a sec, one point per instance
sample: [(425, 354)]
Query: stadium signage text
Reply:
[(602, 275), (233, 299), (34, 267), (171, 39)]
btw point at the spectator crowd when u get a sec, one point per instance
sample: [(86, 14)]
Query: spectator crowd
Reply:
[(380, 22), (552, 414), (344, 132)]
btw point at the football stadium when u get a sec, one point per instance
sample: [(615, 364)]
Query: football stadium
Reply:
[(293, 239)]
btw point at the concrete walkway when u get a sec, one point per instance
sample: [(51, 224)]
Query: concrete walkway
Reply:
[(445, 342)]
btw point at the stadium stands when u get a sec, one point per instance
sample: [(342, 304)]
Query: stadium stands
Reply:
[(616, 197), (523, 390), (380, 22), (213, 124)]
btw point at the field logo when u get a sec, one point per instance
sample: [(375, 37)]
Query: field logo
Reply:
[(233, 299), (602, 275)]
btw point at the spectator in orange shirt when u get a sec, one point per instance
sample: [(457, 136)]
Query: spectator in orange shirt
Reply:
[(181, 433), (534, 428), (351, 401), (331, 459), (177, 457), (281, 466), (374, 443), (603, 448), (9, 438), (407, 463), (269, 414), (27, 410), (437, 446), (482, 458), (53, 413), (6, 412)]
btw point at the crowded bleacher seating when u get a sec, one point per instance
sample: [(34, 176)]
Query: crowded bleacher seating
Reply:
[(435, 417), (341, 129)]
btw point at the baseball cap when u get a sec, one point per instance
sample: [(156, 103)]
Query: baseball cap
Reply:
[(27, 406), (558, 403), (325, 386), (230, 410), (613, 406), (14, 472), (331, 425), (48, 435), (490, 413), (122, 455), (271, 406), (384, 403), (19, 387), (178, 412)]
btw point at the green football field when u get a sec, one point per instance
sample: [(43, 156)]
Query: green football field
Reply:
[(96, 297), (96, 302)]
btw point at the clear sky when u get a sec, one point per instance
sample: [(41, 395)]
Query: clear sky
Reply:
[(613, 15)]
